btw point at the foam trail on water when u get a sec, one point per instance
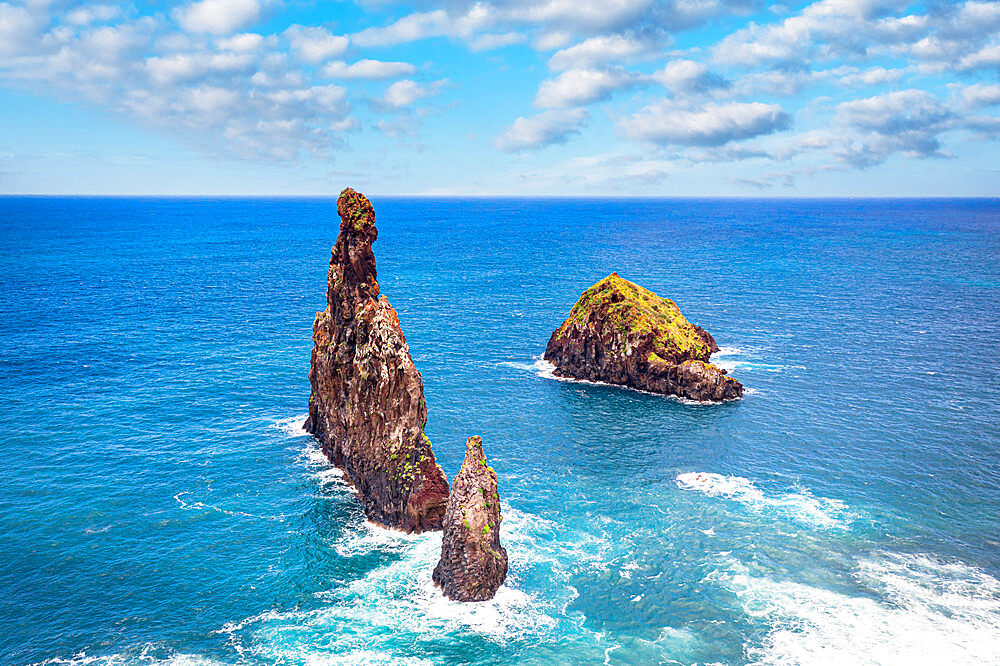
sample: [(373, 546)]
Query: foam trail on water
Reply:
[(738, 358), (799, 506), (922, 612), (546, 370), (197, 505)]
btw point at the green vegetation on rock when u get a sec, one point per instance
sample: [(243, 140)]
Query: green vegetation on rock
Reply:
[(357, 206), (637, 313)]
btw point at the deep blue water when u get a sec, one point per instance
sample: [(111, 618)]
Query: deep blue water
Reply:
[(158, 502)]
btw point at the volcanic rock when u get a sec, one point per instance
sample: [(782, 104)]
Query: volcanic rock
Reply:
[(367, 405), (621, 333), (473, 564)]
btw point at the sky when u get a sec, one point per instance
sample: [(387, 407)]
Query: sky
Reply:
[(501, 97)]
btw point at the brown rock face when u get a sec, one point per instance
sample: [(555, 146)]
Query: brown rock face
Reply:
[(367, 404), (473, 564), (620, 333)]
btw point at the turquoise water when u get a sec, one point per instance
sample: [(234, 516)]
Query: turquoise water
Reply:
[(159, 503)]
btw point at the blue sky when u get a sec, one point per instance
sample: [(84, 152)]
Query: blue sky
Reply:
[(527, 97)]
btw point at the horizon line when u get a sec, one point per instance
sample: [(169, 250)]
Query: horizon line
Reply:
[(846, 197)]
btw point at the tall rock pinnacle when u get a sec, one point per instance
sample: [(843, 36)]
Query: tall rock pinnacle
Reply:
[(367, 403), (473, 564)]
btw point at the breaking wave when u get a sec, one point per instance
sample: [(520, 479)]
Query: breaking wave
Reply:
[(800, 506), (293, 426), (918, 611)]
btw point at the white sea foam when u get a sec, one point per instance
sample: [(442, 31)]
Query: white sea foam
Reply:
[(800, 506), (324, 471), (546, 370), (148, 655), (921, 611), (397, 603), (732, 359), (293, 426)]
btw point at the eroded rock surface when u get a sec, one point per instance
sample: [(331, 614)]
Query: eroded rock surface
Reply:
[(367, 403), (621, 333), (473, 564)]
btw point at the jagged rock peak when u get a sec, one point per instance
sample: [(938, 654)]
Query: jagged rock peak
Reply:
[(473, 564), (367, 403), (621, 333)]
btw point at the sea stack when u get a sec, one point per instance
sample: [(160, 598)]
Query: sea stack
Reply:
[(367, 405), (473, 564), (621, 333)]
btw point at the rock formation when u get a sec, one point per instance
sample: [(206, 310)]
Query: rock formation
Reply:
[(473, 564), (367, 403), (621, 333)]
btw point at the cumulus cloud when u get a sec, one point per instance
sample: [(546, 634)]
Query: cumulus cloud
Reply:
[(948, 37), (19, 28), (421, 25), (980, 94), (368, 69), (543, 129), (314, 45), (906, 121), (555, 23), (93, 14), (582, 86), (601, 50), (217, 16), (404, 93), (226, 95), (711, 125), (688, 76), (247, 41)]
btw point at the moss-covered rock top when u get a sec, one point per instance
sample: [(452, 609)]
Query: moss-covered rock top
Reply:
[(637, 313), (355, 210)]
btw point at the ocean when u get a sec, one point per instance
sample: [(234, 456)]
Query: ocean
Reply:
[(161, 505)]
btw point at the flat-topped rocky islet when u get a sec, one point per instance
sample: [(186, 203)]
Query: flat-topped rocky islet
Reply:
[(621, 333)]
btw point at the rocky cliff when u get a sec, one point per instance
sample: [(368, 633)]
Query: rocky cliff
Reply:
[(473, 564), (367, 403), (621, 333)]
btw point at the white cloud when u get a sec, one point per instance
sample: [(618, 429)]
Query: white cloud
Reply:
[(93, 14), (874, 76), (314, 45), (423, 25), (987, 57), (907, 121), (688, 76), (406, 92), (600, 50), (543, 129), (167, 69), (711, 125), (398, 127), (489, 42), (368, 69), (582, 86), (981, 94), (20, 30), (247, 41), (218, 17)]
